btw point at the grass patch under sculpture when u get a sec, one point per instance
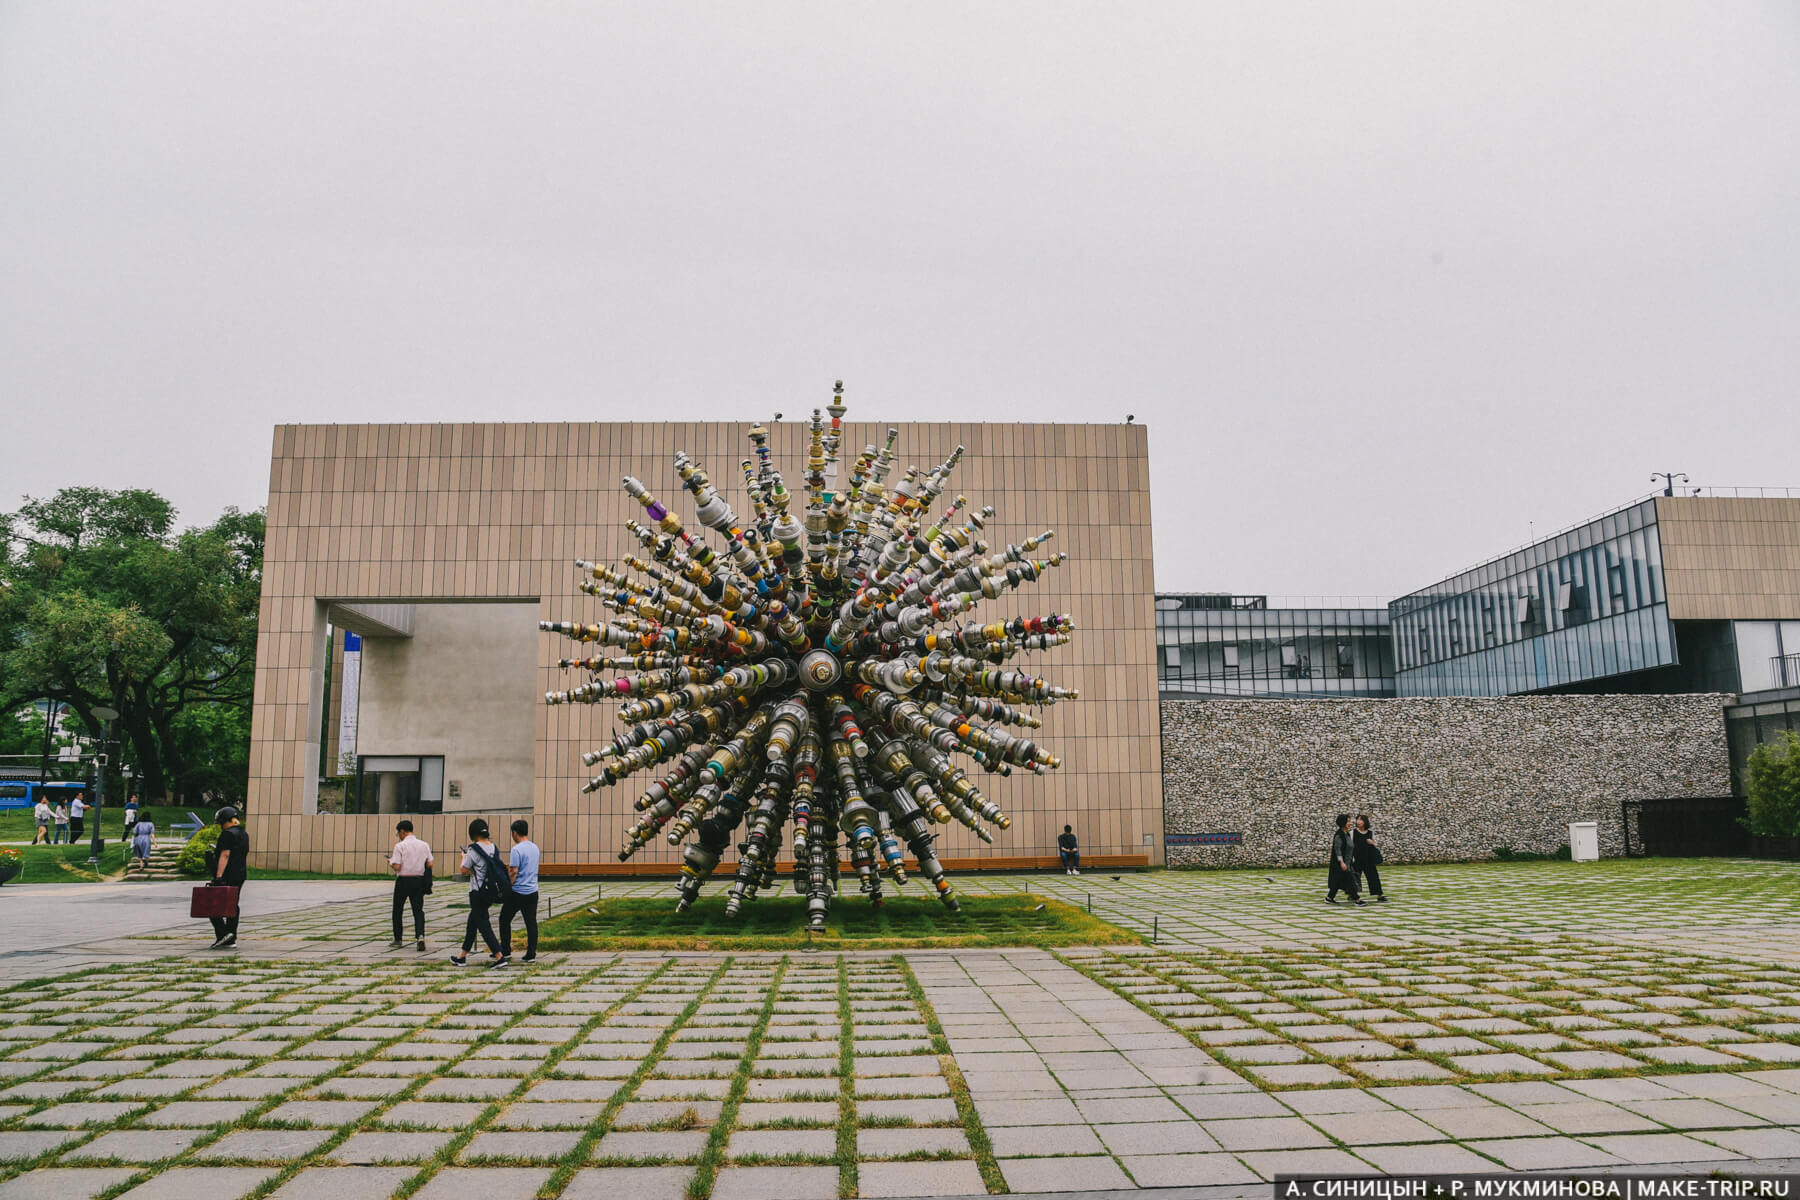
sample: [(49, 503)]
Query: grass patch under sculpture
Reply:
[(779, 923)]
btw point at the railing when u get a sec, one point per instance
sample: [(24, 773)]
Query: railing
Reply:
[(1784, 670)]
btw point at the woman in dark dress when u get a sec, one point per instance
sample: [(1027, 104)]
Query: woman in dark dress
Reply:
[(1343, 864), (1368, 857)]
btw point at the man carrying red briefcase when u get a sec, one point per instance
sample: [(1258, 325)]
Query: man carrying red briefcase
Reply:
[(227, 865)]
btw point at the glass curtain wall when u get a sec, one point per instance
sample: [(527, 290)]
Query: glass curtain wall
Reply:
[(1748, 726), (1586, 604), (1219, 647)]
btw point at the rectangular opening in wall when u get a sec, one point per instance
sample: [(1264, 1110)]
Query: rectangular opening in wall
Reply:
[(1231, 656), (389, 783), (443, 690)]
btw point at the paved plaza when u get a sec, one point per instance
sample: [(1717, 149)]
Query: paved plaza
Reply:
[(1492, 1017)]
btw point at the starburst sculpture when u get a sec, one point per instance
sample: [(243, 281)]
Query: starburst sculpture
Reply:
[(814, 674)]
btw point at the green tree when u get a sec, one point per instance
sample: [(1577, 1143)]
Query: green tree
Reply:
[(1772, 787), (104, 604)]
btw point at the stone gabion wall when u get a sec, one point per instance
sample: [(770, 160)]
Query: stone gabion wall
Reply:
[(1442, 779)]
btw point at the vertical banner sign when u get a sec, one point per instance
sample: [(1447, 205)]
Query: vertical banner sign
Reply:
[(347, 705)]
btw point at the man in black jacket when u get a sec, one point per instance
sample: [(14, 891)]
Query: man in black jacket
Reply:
[(1070, 849), (231, 864), (1343, 864)]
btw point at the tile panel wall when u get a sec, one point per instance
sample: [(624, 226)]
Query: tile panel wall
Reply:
[(499, 511)]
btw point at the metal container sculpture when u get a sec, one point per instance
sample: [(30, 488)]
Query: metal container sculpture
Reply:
[(814, 673)]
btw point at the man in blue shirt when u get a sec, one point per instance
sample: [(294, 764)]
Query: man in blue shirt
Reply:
[(522, 865)]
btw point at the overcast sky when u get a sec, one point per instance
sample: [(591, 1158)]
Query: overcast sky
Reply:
[(1389, 283)]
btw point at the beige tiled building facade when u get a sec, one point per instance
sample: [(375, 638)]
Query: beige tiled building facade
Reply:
[(445, 544)]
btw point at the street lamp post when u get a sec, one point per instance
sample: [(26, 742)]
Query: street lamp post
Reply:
[(109, 715), (50, 713)]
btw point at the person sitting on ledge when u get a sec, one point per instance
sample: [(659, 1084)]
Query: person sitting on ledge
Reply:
[(1070, 849)]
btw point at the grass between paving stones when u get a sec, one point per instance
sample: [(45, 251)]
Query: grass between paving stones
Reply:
[(1257, 972), (848, 1179), (973, 1129), (778, 922), (11, 1170), (584, 1148), (321, 1083), (701, 1185), (251, 1118)]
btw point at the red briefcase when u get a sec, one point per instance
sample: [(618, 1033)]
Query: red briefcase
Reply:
[(214, 902)]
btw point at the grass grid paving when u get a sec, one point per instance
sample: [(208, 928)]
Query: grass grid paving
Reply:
[(1525, 1009), (1251, 910), (714, 1068), (1300, 1038)]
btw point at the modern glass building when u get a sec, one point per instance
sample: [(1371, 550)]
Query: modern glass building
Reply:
[(1761, 718), (1668, 594), (1218, 646)]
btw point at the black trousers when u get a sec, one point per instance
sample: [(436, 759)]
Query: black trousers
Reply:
[(409, 887), (479, 923), (227, 926), (75, 824), (1371, 877), (525, 906)]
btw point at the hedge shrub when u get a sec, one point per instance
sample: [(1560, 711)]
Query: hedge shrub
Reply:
[(192, 860), (1772, 787)]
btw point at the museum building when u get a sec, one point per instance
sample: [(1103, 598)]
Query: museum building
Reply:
[(401, 670)]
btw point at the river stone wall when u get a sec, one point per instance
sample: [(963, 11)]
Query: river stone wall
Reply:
[(1443, 778)]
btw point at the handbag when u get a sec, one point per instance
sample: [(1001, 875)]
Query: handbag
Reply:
[(211, 901)]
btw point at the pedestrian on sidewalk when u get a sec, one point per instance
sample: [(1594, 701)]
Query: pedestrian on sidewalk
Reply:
[(77, 816), (1343, 864), (1070, 849), (131, 812), (1368, 858), (62, 825), (488, 881), (523, 867), (143, 835), (229, 864), (45, 822), (411, 863)]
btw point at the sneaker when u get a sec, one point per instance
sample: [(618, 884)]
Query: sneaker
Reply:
[(529, 958), (1381, 899), (421, 945), (1074, 870), (499, 962), (459, 960), (395, 944), (217, 942), (1362, 903), (1331, 899)]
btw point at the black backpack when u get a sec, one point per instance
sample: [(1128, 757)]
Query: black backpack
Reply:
[(496, 887)]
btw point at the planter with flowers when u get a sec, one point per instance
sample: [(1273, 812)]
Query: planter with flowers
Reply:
[(11, 863)]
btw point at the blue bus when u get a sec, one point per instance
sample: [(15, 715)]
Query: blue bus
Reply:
[(23, 793)]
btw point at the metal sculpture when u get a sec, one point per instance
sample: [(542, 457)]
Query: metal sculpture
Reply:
[(812, 672)]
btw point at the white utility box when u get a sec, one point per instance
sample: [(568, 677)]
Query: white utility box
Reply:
[(1584, 841)]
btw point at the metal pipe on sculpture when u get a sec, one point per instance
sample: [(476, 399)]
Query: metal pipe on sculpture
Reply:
[(813, 672)]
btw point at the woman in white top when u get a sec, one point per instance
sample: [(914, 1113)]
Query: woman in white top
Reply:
[(481, 863)]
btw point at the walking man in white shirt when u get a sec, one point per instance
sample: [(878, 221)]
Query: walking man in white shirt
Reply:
[(77, 816), (410, 860)]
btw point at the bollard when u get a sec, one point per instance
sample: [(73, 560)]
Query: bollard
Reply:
[(1090, 904), (1155, 923)]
